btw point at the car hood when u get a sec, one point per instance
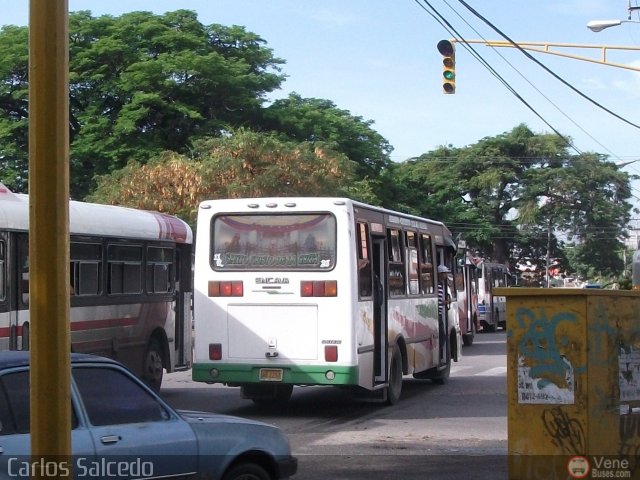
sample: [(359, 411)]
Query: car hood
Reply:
[(196, 417), (227, 435)]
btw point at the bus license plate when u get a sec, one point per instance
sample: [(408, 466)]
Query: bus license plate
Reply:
[(271, 374)]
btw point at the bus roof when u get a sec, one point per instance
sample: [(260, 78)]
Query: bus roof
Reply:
[(97, 219)]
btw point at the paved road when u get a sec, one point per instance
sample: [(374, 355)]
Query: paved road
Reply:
[(458, 430)]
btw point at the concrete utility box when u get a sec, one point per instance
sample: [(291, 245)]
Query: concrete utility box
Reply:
[(573, 383)]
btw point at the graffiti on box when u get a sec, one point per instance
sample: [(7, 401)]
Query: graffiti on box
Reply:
[(545, 375), (629, 374), (567, 433)]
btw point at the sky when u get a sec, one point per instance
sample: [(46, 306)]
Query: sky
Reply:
[(378, 60)]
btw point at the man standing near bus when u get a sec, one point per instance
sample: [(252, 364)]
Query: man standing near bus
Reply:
[(443, 303), (443, 278)]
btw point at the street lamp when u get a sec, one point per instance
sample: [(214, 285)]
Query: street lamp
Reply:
[(599, 25)]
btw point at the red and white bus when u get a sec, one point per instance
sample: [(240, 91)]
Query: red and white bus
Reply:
[(492, 309), (130, 284), (320, 291), (466, 283)]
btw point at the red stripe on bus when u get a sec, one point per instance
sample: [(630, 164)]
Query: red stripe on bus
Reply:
[(4, 331), (171, 228), (106, 323), (84, 325)]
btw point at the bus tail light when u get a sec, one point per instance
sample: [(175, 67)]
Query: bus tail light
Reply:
[(215, 351), (226, 289), (330, 353), (326, 288)]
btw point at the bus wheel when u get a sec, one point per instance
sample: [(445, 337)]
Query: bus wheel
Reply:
[(152, 369), (283, 393), (467, 338), (489, 327), (501, 323), (442, 376), (267, 395), (395, 378)]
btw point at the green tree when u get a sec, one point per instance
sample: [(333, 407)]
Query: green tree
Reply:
[(140, 84), (312, 119), (517, 195), (476, 189), (14, 110)]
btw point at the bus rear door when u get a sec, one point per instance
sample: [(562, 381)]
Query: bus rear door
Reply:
[(380, 322)]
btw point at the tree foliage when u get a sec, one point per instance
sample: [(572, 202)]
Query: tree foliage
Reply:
[(166, 111), (140, 84), (518, 195), (14, 67), (169, 183), (243, 164), (312, 119)]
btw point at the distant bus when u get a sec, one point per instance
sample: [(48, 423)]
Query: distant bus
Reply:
[(492, 309), (319, 291), (130, 284), (466, 281)]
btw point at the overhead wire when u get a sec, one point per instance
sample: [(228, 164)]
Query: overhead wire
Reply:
[(511, 232), (454, 33), (531, 57), (529, 81), (543, 66), (458, 37)]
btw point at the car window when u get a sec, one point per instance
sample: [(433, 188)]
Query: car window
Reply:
[(7, 413), (15, 404), (15, 388), (111, 397)]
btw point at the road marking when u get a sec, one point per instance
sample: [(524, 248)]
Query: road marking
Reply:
[(493, 372), (466, 371), (457, 369)]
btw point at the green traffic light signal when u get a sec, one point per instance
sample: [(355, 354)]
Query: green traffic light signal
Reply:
[(448, 52)]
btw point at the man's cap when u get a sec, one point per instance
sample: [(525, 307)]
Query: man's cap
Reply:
[(443, 269)]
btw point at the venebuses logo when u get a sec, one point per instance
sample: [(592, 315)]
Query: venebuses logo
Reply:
[(578, 467), (599, 467)]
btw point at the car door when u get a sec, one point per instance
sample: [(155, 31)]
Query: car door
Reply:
[(15, 438), (134, 432)]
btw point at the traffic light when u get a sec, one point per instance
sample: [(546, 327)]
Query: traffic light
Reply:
[(448, 51)]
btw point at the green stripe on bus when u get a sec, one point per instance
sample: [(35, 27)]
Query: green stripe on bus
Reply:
[(294, 374)]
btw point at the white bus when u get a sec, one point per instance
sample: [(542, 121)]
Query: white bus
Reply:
[(492, 309), (466, 281), (319, 291), (130, 284)]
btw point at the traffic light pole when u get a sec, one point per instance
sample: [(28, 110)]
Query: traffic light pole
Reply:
[(548, 48)]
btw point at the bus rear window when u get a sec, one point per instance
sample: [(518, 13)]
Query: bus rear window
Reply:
[(273, 242)]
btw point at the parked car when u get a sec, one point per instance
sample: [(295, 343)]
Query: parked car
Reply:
[(123, 429)]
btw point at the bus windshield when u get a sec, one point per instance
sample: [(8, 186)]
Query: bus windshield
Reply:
[(273, 242)]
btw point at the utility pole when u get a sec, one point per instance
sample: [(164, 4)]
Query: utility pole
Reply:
[(50, 343)]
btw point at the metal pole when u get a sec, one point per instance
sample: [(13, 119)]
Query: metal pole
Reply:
[(49, 233), (548, 253)]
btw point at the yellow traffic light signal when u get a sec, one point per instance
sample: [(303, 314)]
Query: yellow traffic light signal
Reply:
[(448, 52)]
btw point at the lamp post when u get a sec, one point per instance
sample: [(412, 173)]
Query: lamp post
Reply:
[(599, 25)]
